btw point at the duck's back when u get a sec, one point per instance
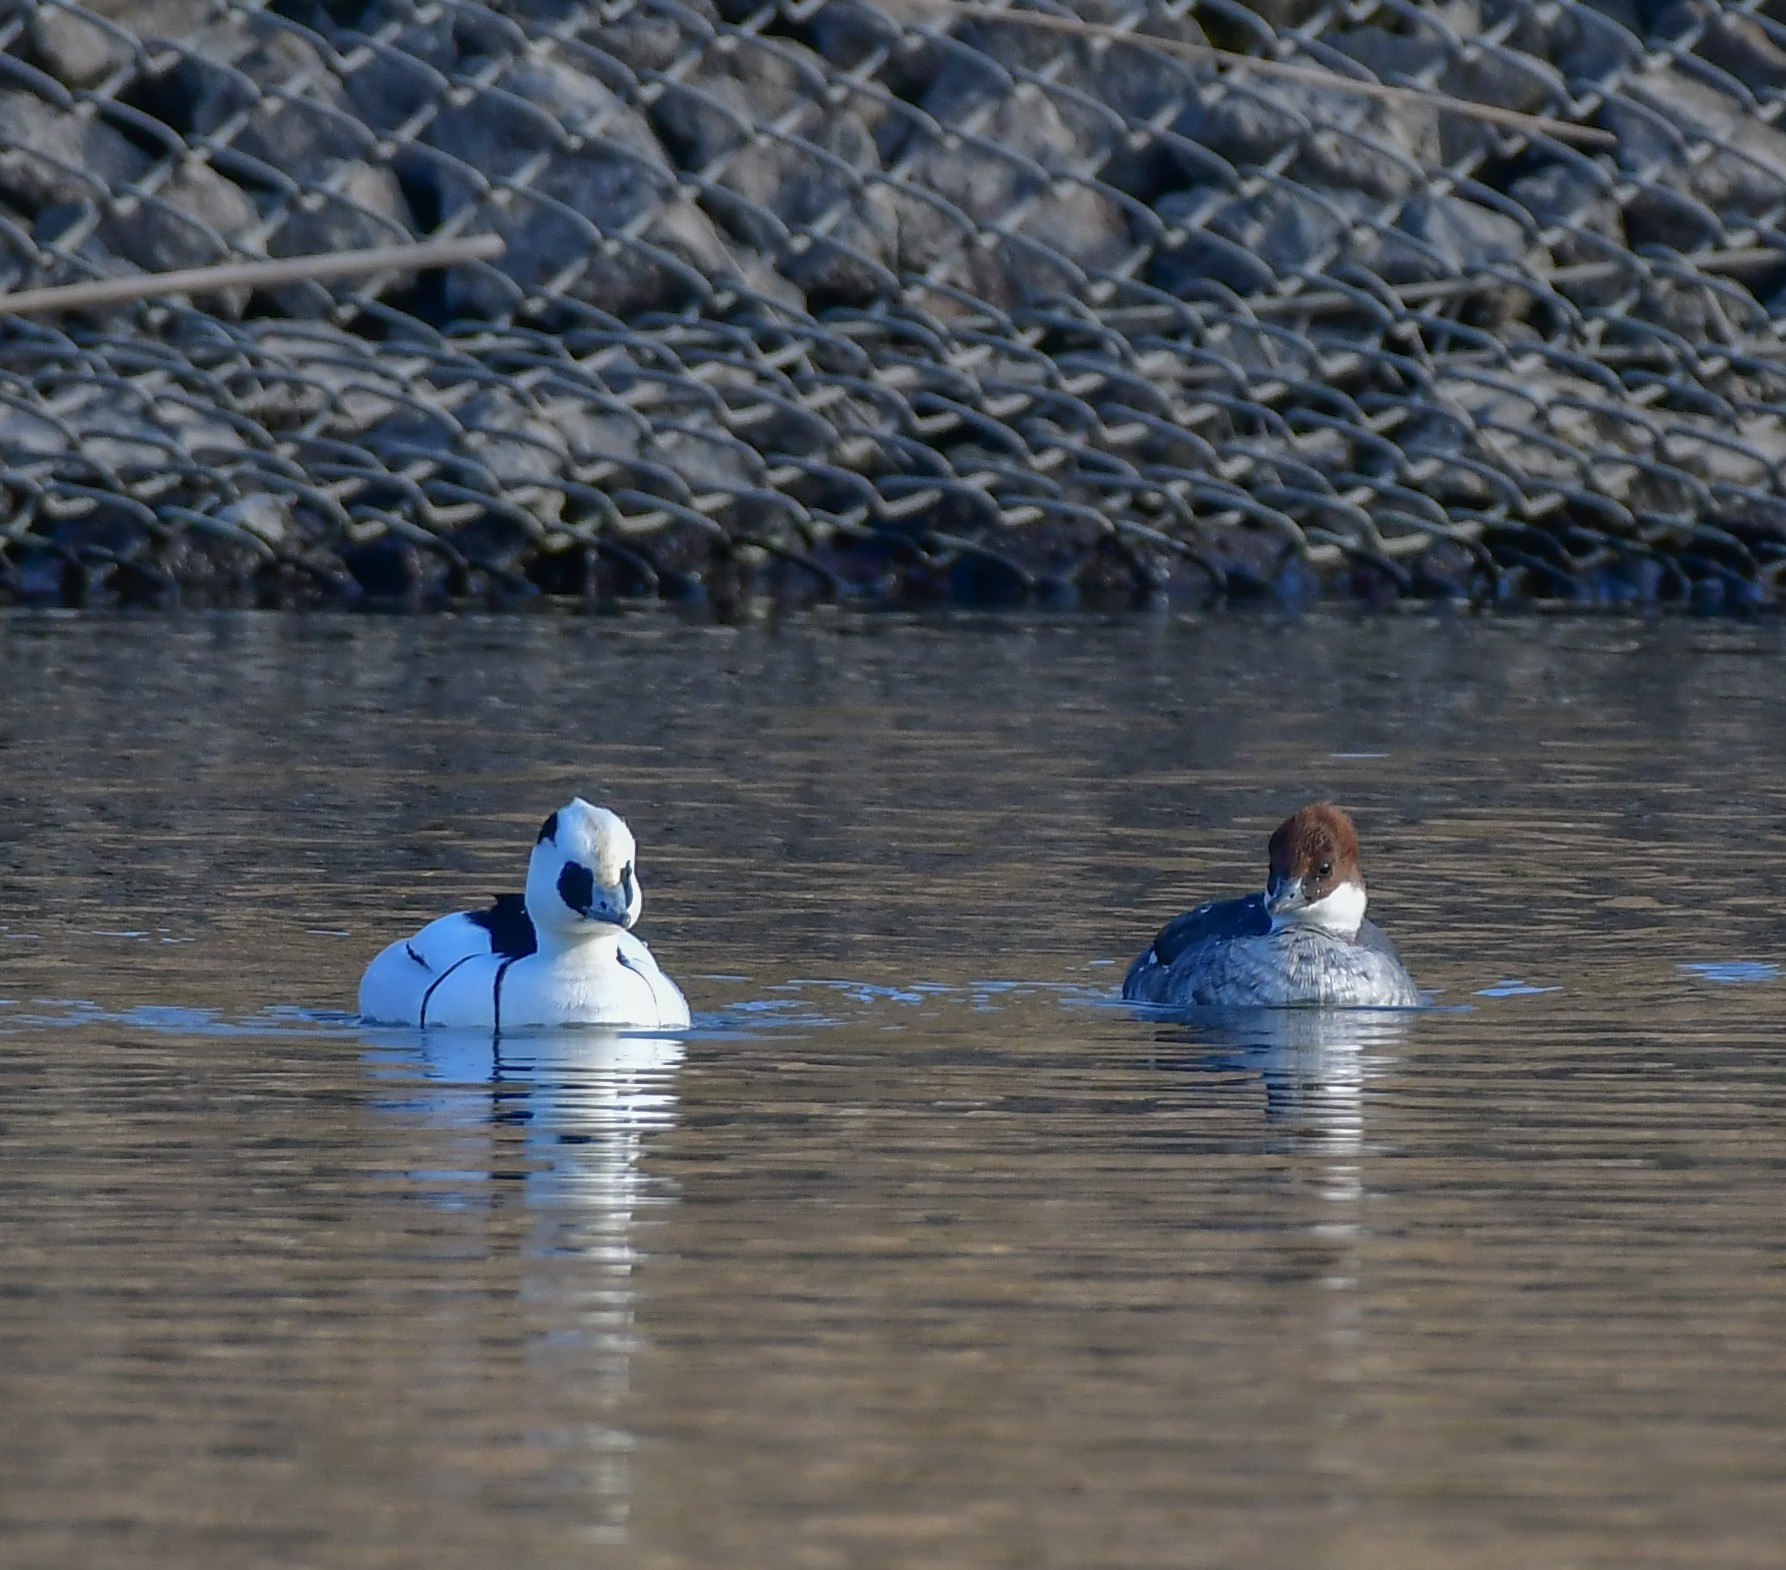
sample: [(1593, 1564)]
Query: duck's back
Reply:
[(397, 984)]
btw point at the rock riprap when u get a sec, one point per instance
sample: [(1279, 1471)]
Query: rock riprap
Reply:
[(900, 302)]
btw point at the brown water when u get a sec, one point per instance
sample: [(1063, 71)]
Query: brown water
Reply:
[(918, 1251)]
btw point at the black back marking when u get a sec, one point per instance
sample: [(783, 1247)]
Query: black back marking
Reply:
[(645, 976), (434, 986), (1217, 919), (509, 925), (496, 996), (576, 887), (548, 830)]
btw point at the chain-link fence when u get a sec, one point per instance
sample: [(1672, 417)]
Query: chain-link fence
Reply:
[(901, 300)]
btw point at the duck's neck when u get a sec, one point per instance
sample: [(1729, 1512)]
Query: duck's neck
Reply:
[(590, 946), (1339, 914)]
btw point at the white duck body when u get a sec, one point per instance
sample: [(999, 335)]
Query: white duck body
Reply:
[(559, 955)]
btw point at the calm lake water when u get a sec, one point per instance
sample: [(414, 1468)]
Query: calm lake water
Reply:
[(918, 1250)]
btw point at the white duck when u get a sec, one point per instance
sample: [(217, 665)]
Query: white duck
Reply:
[(560, 954)]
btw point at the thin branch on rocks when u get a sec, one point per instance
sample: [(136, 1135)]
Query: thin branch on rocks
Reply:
[(1314, 75), (252, 275)]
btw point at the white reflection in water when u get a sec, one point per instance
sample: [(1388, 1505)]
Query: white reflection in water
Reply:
[(1315, 1065), (571, 1110)]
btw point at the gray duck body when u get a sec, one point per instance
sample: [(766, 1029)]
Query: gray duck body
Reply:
[(1229, 953)]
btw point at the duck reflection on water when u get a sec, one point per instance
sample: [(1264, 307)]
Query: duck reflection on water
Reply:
[(1315, 1066), (584, 1097), (1312, 1063), (570, 1113)]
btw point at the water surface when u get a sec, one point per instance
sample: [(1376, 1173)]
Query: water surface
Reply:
[(918, 1250)]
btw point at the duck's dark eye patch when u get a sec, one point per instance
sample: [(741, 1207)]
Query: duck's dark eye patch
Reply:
[(576, 887), (1325, 870), (548, 830)]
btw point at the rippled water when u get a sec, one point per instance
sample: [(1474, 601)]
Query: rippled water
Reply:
[(918, 1250)]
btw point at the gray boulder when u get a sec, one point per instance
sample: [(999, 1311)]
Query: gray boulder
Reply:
[(1451, 237), (594, 429), (65, 159), (1247, 243), (1734, 43), (1486, 76), (404, 63), (82, 48), (1576, 201), (1589, 42), (651, 37), (307, 375), (1340, 140), (1021, 170), (806, 196), (849, 33), (524, 454), (1251, 243), (1702, 160), (272, 98), (577, 186)]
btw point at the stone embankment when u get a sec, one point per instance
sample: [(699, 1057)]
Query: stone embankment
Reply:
[(900, 302)]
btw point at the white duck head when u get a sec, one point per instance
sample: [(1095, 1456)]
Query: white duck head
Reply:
[(581, 880)]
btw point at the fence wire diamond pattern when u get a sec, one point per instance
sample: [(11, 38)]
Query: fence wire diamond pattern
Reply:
[(900, 301)]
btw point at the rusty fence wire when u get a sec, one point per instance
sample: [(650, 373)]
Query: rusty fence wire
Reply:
[(900, 301)]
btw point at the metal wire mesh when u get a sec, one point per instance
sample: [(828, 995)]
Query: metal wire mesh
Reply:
[(899, 301)]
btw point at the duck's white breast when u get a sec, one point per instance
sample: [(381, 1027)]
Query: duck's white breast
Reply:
[(621, 985)]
